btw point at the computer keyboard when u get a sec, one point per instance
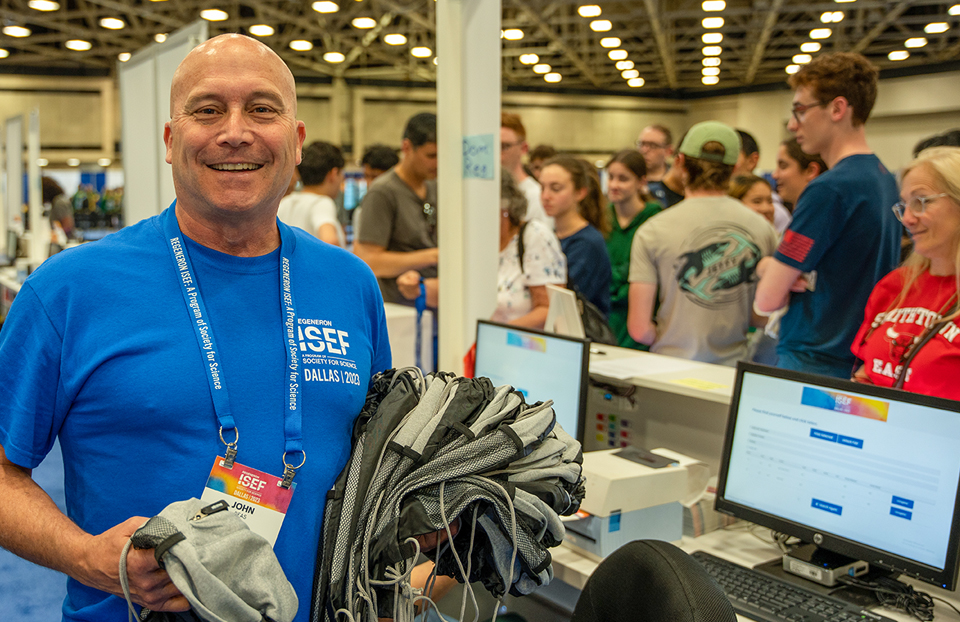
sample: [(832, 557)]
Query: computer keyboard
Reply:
[(763, 597)]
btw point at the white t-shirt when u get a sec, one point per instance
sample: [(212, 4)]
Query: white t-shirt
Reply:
[(543, 264), (531, 189), (310, 211)]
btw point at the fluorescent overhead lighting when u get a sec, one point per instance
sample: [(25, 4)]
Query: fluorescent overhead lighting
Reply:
[(837, 17), (394, 38), (589, 10), (610, 42), (712, 22), (213, 15), (513, 34), (553, 77), (635, 82), (714, 5), (42, 162), (844, 1), (802, 59), (831, 17), (4, 53), (810, 47), (712, 37), (899, 55), (16, 31), (112, 23), (624, 64), (301, 45), (325, 7), (160, 37), (73, 162), (529, 59), (711, 61), (363, 23), (617, 54), (262, 30), (104, 162), (936, 28), (600, 25), (712, 50), (43, 5), (542, 68), (915, 42), (710, 71), (954, 10), (78, 45), (421, 52), (792, 69), (334, 57), (820, 33), (123, 57), (434, 58), (709, 80), (630, 74)]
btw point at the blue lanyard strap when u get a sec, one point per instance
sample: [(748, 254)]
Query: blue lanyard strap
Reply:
[(196, 310)]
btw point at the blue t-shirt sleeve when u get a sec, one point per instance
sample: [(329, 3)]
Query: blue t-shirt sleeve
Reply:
[(382, 356), (819, 219), (588, 266), (30, 349)]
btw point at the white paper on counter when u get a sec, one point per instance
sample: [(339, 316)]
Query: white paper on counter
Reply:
[(635, 366)]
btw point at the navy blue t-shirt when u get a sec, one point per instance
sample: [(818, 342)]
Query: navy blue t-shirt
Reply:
[(588, 266)]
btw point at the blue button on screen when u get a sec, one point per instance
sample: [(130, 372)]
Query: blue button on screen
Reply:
[(850, 441), (906, 503), (826, 506), (901, 513), (823, 435)]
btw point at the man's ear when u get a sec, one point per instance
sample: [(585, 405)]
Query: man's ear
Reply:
[(166, 141)]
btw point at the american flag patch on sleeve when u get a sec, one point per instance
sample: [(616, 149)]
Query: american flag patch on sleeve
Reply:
[(795, 245)]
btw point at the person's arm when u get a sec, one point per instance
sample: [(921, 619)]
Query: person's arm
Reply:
[(389, 264), (441, 584), (777, 280), (861, 375), (409, 285), (640, 322), (328, 233), (537, 316), (34, 528)]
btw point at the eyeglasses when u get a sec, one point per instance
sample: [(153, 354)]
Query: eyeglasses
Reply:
[(504, 146), (916, 205), (647, 144), (799, 110)]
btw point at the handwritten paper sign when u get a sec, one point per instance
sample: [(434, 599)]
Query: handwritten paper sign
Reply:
[(478, 156)]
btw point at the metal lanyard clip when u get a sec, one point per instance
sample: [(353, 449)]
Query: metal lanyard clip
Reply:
[(289, 472), (231, 454)]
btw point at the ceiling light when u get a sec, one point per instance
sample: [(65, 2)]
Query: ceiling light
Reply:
[(617, 54), (43, 5), (624, 64), (711, 61), (610, 42), (529, 59), (4, 53), (326, 7), (820, 33), (712, 22), (78, 45), (810, 47), (802, 59), (712, 50), (434, 58), (42, 161), (936, 28), (394, 38), (831, 17), (542, 68), (123, 57), (635, 82), (844, 1), (915, 42), (16, 31), (104, 162), (837, 17), (553, 77), (262, 30), (334, 57), (73, 162), (600, 25), (792, 69), (213, 15), (712, 37), (301, 45), (714, 5), (589, 10), (363, 23), (421, 52), (160, 37), (630, 74), (954, 10), (709, 80), (710, 71), (899, 55), (112, 23), (513, 34)]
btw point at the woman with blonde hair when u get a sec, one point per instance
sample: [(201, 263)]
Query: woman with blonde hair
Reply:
[(909, 338)]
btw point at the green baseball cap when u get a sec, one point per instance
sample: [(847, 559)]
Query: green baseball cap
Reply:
[(707, 132)]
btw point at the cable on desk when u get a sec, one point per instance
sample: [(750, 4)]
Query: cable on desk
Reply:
[(898, 595)]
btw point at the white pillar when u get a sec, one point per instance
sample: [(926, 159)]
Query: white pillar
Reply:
[(468, 112)]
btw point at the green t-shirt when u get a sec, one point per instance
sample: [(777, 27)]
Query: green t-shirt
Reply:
[(619, 242)]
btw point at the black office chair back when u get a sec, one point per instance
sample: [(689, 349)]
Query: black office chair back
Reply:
[(651, 581)]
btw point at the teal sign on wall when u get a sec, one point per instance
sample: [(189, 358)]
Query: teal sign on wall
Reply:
[(478, 156)]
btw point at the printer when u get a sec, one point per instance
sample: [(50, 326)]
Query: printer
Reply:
[(631, 494)]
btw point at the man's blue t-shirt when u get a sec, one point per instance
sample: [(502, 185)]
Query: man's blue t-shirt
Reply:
[(844, 229), (588, 266), (99, 349)]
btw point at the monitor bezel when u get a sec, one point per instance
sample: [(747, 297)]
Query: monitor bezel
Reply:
[(584, 367), (945, 578)]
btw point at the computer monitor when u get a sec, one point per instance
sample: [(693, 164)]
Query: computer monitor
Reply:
[(541, 366), (866, 472), (563, 313)]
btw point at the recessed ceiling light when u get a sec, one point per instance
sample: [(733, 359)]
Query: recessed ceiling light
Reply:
[(792, 69), (43, 5), (600, 25), (635, 82), (709, 80), (714, 5), (262, 30), (810, 47), (802, 59), (160, 37), (553, 77), (123, 57), (712, 50), (831, 17), (624, 64), (363, 23), (73, 162), (712, 37), (301, 45), (112, 23), (820, 33), (711, 61), (712, 22), (915, 42), (434, 58), (78, 45), (42, 161), (630, 74), (954, 10), (334, 57), (589, 10), (104, 162), (529, 59), (513, 34), (844, 1), (936, 28), (610, 42), (542, 68), (617, 54), (4, 53), (394, 38), (16, 31), (899, 55), (710, 71), (214, 15), (421, 52), (325, 7)]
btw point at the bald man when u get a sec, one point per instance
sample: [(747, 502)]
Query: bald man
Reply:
[(211, 323)]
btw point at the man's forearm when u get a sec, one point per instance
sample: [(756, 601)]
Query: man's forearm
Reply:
[(391, 264)]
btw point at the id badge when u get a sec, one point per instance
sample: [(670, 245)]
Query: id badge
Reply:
[(255, 496)]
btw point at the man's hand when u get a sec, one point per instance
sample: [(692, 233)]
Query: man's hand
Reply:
[(409, 284), (430, 541)]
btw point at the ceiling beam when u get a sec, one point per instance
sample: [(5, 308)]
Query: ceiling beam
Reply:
[(882, 25), (666, 54), (368, 38), (768, 25), (547, 31)]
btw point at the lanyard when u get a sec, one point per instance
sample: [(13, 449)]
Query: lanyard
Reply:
[(199, 318)]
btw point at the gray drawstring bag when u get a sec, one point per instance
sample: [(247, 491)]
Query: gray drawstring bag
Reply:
[(227, 572)]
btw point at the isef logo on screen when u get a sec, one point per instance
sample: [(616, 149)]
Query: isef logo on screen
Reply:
[(322, 337)]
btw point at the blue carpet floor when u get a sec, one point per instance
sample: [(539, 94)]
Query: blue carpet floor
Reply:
[(30, 593)]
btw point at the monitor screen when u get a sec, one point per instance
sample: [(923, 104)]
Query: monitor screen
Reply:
[(541, 366), (867, 472)]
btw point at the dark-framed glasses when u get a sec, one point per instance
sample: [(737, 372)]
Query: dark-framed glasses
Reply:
[(649, 144), (916, 205), (799, 110)]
